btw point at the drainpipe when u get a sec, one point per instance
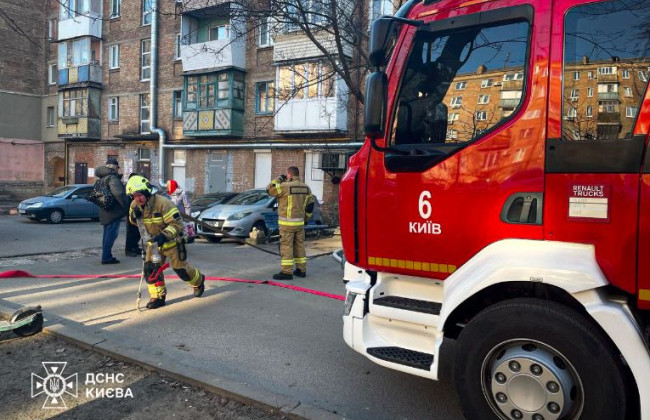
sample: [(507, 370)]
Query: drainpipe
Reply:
[(153, 94)]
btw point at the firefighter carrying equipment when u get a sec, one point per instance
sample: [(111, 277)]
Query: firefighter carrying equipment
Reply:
[(162, 220)]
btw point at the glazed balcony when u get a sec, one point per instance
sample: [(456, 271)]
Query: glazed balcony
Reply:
[(80, 26), (89, 73), (212, 55)]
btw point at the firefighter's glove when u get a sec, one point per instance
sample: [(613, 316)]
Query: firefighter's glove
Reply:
[(282, 178), (137, 212), (159, 239)]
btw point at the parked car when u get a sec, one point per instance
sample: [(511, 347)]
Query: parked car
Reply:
[(210, 199), (67, 202), (241, 214)]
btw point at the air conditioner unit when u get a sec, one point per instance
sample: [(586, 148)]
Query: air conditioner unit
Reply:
[(332, 161)]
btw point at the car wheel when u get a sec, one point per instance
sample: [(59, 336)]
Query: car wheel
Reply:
[(55, 216), (540, 360), (213, 239), (260, 225)]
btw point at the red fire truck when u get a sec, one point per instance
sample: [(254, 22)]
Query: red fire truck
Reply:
[(502, 202)]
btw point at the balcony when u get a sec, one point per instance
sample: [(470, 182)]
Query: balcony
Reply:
[(609, 118), (213, 122), (79, 127), (509, 103), (512, 85), (311, 115), (608, 78), (297, 46), (80, 26), (608, 96), (83, 74), (212, 55)]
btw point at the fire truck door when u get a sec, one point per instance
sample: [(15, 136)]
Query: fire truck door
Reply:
[(594, 152), (465, 137)]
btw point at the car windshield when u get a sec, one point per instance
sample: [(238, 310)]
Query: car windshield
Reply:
[(61, 192), (250, 198), (205, 201)]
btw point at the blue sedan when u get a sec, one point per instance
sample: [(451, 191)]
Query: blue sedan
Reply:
[(68, 202)]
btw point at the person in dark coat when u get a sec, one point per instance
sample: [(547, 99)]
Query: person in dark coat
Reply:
[(132, 248), (111, 219)]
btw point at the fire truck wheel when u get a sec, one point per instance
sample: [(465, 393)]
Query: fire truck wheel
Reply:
[(536, 359)]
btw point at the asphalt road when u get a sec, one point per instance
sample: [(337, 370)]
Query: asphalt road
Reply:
[(268, 338)]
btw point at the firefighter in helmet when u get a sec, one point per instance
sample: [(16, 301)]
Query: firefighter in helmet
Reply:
[(295, 206), (162, 222)]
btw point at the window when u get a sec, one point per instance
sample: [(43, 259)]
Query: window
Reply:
[(456, 101), (145, 61), (642, 76), (116, 6), (50, 116), (422, 113), (576, 75), (590, 75), (264, 97), (305, 80), (113, 109), (51, 29), (147, 9), (264, 39), (52, 74), (144, 154), (606, 32), (460, 85), (74, 53), (68, 9), (178, 104), (114, 57), (485, 83), (453, 117), (630, 111), (145, 116), (483, 99), (219, 32), (177, 47), (215, 90), (74, 103), (574, 94), (379, 8), (590, 92)]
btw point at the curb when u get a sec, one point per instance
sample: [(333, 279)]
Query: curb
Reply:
[(100, 341)]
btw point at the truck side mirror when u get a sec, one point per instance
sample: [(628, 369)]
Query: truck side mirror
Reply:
[(382, 33), (375, 104)]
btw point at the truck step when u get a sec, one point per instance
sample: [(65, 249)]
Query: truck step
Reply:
[(412, 358), (409, 304)]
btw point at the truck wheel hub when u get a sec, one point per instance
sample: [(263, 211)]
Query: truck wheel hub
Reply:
[(530, 380)]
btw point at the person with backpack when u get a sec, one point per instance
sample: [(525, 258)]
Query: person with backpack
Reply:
[(111, 217)]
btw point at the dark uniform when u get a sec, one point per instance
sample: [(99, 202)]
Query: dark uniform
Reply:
[(295, 206)]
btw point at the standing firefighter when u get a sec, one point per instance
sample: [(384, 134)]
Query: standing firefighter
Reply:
[(295, 206), (163, 223)]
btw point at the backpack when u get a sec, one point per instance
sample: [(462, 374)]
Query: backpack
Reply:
[(101, 195)]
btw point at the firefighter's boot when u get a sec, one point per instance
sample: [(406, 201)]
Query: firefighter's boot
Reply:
[(155, 303), (198, 290), (299, 273), (282, 276)]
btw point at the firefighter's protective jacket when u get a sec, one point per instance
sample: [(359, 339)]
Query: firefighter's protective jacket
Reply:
[(295, 201), (159, 215)]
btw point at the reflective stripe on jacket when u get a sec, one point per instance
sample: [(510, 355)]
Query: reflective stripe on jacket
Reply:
[(159, 215), (295, 201)]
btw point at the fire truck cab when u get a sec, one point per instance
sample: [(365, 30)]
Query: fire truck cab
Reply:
[(502, 200)]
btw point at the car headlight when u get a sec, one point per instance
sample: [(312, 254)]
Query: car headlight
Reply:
[(240, 215), (35, 205), (195, 214)]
